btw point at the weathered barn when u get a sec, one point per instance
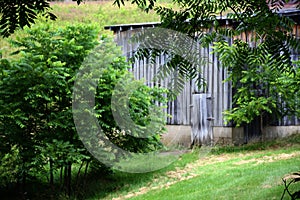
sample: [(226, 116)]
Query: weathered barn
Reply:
[(198, 113)]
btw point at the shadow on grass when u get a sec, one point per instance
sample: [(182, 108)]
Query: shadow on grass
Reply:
[(98, 184)]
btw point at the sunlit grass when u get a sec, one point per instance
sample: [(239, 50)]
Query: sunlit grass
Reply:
[(228, 180), (100, 13), (103, 13), (236, 173)]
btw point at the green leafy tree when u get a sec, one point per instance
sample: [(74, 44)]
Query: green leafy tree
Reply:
[(36, 104), (36, 99), (262, 88), (140, 103)]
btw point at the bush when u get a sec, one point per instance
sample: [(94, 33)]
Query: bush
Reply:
[(11, 161), (36, 104)]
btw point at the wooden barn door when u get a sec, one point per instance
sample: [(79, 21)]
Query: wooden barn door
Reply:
[(201, 119)]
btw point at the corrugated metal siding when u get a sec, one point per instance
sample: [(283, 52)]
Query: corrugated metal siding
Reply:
[(220, 92), (295, 56), (180, 108)]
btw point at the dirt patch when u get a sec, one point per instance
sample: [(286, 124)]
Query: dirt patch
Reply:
[(267, 186), (268, 159), (165, 181)]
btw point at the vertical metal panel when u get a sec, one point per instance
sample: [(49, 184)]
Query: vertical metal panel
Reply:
[(201, 128), (213, 73)]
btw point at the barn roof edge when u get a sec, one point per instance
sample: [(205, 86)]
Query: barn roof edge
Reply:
[(293, 13)]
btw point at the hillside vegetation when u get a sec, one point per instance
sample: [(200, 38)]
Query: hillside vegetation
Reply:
[(98, 13)]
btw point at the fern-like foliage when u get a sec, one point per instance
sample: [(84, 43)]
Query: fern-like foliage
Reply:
[(182, 53), (262, 82), (263, 75)]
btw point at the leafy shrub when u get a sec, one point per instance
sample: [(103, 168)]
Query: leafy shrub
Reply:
[(10, 161), (36, 103), (140, 102)]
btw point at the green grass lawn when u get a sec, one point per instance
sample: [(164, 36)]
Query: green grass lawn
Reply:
[(239, 174), (249, 172), (256, 176)]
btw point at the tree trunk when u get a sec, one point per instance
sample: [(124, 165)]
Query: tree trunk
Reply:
[(68, 178), (61, 177), (51, 181), (78, 173), (85, 172)]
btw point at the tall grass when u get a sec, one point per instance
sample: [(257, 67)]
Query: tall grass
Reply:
[(100, 13)]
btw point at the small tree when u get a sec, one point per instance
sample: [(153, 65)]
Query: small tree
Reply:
[(264, 87), (36, 98), (36, 103)]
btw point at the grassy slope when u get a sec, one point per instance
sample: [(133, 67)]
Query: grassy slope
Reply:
[(234, 179), (101, 13), (250, 172)]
